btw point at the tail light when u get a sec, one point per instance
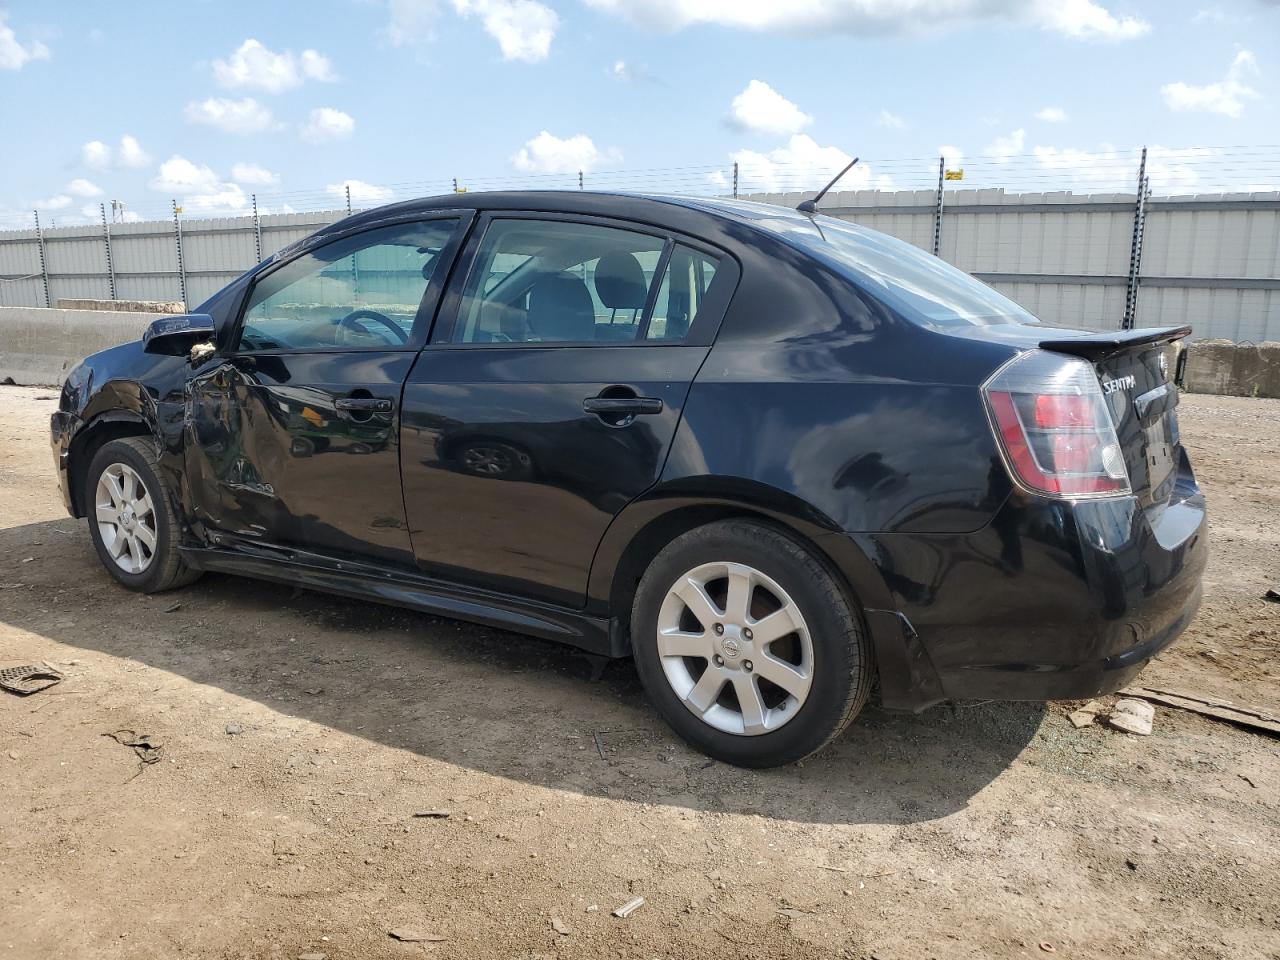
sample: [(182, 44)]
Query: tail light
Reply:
[(1053, 424)]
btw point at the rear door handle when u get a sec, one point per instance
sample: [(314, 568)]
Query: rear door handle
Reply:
[(623, 406), (363, 404)]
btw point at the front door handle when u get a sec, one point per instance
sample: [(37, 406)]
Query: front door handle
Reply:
[(622, 406), (363, 404)]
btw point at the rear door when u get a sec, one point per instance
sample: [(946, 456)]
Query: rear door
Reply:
[(549, 394), (292, 434)]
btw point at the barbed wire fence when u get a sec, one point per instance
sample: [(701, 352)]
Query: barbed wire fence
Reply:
[(913, 198)]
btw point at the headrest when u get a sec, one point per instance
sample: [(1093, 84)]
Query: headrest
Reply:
[(620, 282), (560, 308)]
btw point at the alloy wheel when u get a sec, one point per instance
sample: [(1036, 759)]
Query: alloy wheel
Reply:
[(735, 648), (126, 518)]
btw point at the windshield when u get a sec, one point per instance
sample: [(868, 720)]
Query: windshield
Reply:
[(917, 284)]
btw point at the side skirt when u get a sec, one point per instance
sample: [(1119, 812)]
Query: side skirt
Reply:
[(403, 589)]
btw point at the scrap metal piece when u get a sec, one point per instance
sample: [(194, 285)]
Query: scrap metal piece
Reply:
[(30, 679), (144, 745)]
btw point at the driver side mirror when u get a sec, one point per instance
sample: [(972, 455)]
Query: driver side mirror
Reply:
[(175, 336)]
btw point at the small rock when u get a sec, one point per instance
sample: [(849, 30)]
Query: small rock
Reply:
[(558, 926), (314, 691), (313, 956), (14, 755), (1132, 716), (234, 729), (1086, 715)]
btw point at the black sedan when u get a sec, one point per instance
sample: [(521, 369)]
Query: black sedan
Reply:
[(775, 457)]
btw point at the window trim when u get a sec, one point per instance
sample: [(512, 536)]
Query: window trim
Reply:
[(701, 333), (428, 306)]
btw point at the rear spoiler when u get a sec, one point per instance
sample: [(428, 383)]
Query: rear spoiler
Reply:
[(1099, 346)]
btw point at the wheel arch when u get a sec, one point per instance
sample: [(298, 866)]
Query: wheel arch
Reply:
[(89, 439)]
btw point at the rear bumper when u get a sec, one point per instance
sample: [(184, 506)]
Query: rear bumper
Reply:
[(1049, 601)]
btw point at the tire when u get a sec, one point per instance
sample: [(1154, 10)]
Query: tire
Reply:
[(159, 568), (783, 577), (495, 460)]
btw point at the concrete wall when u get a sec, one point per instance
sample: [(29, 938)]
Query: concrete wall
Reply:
[(1235, 370), (39, 346)]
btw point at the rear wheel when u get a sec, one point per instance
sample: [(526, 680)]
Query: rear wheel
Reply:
[(748, 646), (131, 522)]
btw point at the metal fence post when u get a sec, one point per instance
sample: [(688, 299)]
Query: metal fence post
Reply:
[(348, 186), (106, 243), (455, 184), (579, 179), (44, 266), (257, 230), (1135, 251), (735, 179), (177, 239), (937, 208)]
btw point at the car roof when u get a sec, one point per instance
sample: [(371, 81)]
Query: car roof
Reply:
[(664, 209)]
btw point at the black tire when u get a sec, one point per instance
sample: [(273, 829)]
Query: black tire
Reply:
[(495, 460), (165, 570), (843, 669)]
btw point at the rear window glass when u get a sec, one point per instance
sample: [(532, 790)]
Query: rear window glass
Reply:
[(917, 284)]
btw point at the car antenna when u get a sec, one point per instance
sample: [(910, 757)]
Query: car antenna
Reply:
[(811, 206)]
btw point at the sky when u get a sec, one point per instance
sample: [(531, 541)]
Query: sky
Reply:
[(213, 103)]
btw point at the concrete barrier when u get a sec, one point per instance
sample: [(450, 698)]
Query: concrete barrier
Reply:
[(1233, 369), (38, 346), (123, 306)]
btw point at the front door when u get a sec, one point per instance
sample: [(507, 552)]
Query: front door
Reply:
[(549, 395), (292, 435)]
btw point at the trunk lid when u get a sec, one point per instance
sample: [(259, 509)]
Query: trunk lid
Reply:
[(1136, 369)]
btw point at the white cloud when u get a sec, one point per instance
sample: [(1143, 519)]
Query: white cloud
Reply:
[(801, 165), (131, 154), (1182, 170), (524, 29), (891, 120), (325, 124), (230, 116), (197, 187), (15, 55), (1226, 97), (411, 21), (1006, 147), (98, 156), (59, 202), (546, 153), (180, 175), (953, 155), (1052, 115), (83, 188), (254, 67), (361, 192), (1078, 19), (621, 70), (761, 109), (254, 175)]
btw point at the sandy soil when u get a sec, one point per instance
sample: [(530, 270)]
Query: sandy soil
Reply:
[(300, 734)]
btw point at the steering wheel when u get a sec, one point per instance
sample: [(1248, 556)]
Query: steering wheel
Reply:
[(351, 323)]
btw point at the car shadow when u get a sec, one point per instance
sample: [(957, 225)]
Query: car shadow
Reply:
[(491, 701)]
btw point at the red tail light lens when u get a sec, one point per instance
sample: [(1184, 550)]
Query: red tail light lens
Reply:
[(1054, 427)]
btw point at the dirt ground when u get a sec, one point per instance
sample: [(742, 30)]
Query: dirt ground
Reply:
[(300, 734)]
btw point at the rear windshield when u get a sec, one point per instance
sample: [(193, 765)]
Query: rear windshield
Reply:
[(918, 285)]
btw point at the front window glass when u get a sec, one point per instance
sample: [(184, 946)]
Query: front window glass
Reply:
[(362, 291)]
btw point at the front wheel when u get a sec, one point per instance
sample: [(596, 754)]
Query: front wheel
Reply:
[(131, 521), (748, 646)]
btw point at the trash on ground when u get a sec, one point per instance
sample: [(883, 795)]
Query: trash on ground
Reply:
[(1048, 947), (413, 936), (30, 679), (1272, 595), (144, 745), (234, 729), (1132, 716), (1086, 715), (628, 908), (1247, 717), (173, 608), (433, 814), (559, 927)]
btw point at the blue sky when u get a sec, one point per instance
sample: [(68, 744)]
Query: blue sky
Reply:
[(212, 102)]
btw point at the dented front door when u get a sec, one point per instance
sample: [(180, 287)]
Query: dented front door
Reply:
[(281, 454)]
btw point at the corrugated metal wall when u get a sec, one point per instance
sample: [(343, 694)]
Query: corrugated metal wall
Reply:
[(1211, 260)]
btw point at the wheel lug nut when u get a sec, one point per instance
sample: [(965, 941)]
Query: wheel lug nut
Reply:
[(719, 660), (746, 665), (719, 628), (747, 634)]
